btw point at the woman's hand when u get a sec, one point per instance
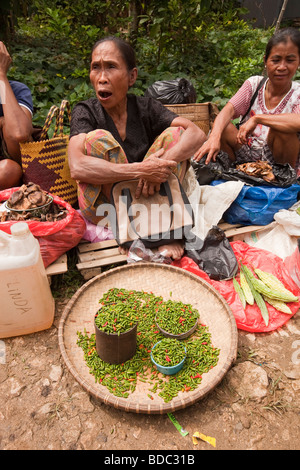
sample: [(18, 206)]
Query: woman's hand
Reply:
[(246, 130), (146, 189), (5, 59), (156, 171), (210, 148)]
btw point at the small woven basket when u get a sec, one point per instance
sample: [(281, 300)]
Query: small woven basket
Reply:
[(198, 113), (45, 161)]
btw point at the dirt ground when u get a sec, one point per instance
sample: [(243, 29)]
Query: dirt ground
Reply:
[(255, 407)]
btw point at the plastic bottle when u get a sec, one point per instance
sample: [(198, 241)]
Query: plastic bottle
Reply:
[(26, 301)]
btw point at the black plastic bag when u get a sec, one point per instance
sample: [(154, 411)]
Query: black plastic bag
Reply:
[(214, 255), (224, 169), (178, 91)]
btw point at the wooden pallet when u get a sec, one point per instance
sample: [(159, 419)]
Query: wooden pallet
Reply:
[(238, 232), (93, 257), (59, 266)]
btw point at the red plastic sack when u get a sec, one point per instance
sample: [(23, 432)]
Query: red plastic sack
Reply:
[(292, 264), (250, 319), (55, 238)]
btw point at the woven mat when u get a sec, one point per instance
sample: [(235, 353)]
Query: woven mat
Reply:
[(161, 280)]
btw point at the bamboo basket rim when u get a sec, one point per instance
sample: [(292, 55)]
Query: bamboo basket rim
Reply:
[(206, 104), (191, 108), (158, 279)]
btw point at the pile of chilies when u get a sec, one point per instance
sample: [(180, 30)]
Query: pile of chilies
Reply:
[(122, 379), (175, 317), (168, 352)]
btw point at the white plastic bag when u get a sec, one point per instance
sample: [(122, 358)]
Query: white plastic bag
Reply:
[(292, 264), (274, 239), (281, 236), (209, 204), (290, 220), (138, 252)]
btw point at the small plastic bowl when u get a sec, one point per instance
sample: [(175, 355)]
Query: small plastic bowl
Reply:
[(168, 370), (184, 335), (35, 211)]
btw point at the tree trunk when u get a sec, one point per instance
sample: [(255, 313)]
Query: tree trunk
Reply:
[(134, 25), (284, 4)]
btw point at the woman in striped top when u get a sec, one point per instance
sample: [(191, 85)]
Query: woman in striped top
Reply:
[(271, 128)]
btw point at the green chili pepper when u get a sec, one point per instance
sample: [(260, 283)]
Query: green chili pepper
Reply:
[(121, 380), (175, 317)]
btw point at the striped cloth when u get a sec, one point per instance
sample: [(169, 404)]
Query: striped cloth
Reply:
[(101, 144)]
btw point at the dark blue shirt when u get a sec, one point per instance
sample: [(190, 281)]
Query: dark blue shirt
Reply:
[(147, 118), (22, 94)]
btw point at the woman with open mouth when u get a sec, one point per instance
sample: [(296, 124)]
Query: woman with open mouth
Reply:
[(118, 136)]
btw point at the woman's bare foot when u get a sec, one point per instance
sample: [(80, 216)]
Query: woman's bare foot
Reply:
[(123, 250), (173, 250)]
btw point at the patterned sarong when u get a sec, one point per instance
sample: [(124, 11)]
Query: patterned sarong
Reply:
[(101, 144)]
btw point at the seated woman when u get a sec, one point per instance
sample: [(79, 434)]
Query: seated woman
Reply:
[(118, 136), (15, 123), (272, 128)]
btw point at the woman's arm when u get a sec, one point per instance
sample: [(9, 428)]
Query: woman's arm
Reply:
[(94, 170), (288, 123), (184, 149), (213, 144), (17, 122), (189, 142)]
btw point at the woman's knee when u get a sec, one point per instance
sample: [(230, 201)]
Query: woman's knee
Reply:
[(277, 137), (167, 139), (284, 146), (172, 132), (10, 174), (97, 139), (229, 136), (101, 144)]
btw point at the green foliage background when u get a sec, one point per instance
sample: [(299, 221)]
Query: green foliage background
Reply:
[(205, 41)]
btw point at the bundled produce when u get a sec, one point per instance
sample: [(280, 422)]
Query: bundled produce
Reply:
[(240, 292), (246, 289), (256, 295), (264, 288), (274, 283), (280, 306), (273, 292)]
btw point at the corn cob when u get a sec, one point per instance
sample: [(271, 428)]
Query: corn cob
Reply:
[(280, 306), (262, 288), (257, 296), (239, 291), (246, 289), (272, 281)]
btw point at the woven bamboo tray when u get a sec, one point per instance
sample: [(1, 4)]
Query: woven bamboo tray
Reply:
[(159, 279)]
